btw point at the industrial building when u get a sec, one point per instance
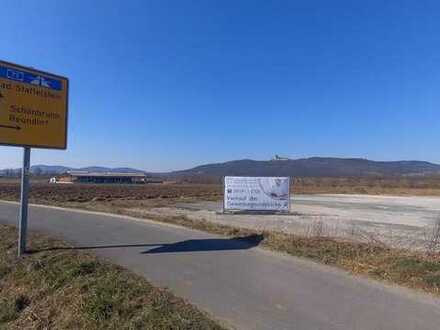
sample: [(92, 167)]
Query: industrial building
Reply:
[(103, 177)]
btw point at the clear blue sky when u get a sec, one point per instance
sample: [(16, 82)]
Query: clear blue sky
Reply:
[(163, 85)]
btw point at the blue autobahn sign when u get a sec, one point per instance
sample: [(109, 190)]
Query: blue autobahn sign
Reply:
[(30, 78)]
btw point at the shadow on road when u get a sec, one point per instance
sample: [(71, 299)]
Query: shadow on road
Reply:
[(193, 245), (214, 244)]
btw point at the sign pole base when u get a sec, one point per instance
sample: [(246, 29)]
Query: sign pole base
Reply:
[(23, 217)]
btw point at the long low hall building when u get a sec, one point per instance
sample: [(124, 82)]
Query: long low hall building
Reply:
[(102, 177)]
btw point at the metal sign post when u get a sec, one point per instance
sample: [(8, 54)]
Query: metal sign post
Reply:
[(22, 220)]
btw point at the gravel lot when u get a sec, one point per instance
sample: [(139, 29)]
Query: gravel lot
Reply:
[(398, 221)]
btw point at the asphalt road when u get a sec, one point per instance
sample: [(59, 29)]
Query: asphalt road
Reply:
[(241, 285)]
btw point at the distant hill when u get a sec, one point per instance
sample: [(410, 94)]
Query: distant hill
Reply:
[(54, 170), (49, 169), (305, 167), (313, 167)]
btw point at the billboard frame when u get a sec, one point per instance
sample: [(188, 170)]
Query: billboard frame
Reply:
[(253, 211)]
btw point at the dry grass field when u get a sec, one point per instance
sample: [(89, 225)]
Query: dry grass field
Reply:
[(399, 186), (62, 194), (77, 194)]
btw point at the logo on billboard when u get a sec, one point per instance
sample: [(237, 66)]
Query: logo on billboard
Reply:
[(275, 188)]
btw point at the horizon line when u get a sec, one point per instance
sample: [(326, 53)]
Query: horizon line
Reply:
[(228, 161)]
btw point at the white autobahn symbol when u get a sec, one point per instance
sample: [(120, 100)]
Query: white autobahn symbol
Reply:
[(40, 81)]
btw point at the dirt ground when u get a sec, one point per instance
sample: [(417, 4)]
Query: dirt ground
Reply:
[(404, 222)]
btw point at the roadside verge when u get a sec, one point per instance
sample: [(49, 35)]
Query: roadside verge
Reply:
[(66, 289)]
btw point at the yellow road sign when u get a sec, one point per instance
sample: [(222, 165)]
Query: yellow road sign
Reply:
[(33, 107)]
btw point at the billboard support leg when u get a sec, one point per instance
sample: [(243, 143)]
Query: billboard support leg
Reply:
[(23, 217), (223, 204)]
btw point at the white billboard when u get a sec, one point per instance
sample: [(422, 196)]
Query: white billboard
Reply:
[(257, 193)]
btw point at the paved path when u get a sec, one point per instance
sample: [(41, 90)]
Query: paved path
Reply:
[(241, 285)]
